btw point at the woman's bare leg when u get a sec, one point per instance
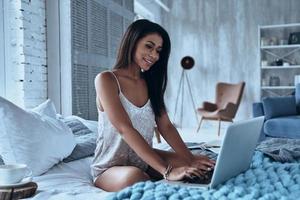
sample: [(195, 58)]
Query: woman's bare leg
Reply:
[(119, 177)]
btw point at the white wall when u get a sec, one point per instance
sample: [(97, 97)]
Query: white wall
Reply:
[(2, 50), (222, 37), (25, 66)]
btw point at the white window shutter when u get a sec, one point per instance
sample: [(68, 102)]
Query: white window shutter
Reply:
[(116, 31), (97, 28), (79, 25), (80, 90), (98, 40), (128, 4)]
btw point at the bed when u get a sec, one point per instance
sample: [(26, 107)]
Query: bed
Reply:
[(66, 181), (266, 179), (61, 158)]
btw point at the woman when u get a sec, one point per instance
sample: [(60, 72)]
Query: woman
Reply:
[(130, 103)]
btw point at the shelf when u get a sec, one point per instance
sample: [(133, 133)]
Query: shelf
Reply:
[(281, 67), (284, 76), (277, 87), (281, 46), (280, 26)]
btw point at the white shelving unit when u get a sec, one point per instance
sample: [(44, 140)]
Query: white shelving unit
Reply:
[(279, 59)]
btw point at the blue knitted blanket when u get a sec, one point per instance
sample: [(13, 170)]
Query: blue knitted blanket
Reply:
[(264, 180)]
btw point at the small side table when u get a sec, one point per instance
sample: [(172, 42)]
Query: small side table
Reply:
[(18, 192)]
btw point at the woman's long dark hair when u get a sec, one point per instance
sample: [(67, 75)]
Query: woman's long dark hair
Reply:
[(156, 77)]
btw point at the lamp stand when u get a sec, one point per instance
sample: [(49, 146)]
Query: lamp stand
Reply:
[(180, 93)]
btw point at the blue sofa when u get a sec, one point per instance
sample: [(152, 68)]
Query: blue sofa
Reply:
[(282, 115)]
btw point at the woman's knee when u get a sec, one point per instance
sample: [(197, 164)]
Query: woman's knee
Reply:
[(134, 175)]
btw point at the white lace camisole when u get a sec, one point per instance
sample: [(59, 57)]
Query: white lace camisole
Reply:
[(111, 149)]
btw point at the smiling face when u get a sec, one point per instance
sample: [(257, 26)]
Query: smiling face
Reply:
[(147, 51)]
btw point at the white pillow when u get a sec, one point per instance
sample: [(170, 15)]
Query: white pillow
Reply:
[(46, 108), (33, 139)]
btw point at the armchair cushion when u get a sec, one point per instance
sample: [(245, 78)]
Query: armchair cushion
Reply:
[(229, 110), (279, 106), (208, 106)]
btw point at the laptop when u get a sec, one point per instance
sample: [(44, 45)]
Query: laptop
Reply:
[(235, 154)]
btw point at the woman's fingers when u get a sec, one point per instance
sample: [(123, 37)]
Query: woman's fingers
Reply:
[(192, 171), (181, 172), (203, 163), (204, 167), (206, 160)]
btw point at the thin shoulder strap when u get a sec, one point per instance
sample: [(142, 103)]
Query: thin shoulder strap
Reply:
[(117, 81)]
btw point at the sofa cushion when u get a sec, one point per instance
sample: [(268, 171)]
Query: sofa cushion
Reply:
[(257, 109), (297, 95), (284, 127), (279, 106)]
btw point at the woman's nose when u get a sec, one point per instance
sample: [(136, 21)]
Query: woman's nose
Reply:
[(153, 54)]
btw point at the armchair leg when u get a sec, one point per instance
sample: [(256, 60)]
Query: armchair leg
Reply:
[(157, 135), (199, 124), (219, 128)]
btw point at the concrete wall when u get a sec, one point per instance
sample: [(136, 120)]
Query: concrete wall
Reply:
[(221, 35), (146, 8), (25, 53)]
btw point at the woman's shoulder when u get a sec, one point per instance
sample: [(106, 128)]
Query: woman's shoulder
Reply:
[(105, 78)]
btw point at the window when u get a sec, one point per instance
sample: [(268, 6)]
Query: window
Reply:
[(89, 35), (97, 28), (2, 50)]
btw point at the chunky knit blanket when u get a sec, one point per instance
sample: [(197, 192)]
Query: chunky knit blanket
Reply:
[(264, 180)]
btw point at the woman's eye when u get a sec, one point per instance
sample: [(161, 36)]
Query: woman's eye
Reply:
[(148, 46)]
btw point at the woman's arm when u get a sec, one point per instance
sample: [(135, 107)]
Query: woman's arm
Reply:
[(108, 94), (171, 135)]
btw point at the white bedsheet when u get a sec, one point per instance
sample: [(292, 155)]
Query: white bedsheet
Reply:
[(66, 181)]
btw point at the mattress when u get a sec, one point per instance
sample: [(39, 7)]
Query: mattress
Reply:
[(66, 181)]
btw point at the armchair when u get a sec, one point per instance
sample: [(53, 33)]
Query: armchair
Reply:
[(228, 97)]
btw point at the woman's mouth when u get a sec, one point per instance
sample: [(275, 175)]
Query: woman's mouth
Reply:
[(148, 61)]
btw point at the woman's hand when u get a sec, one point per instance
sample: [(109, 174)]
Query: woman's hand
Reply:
[(202, 163), (180, 173)]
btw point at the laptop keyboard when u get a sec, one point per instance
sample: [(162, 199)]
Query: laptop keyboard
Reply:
[(200, 180)]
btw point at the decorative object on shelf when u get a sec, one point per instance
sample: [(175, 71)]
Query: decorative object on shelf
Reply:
[(286, 64), (277, 62), (283, 42), (264, 41), (264, 63), (264, 82), (273, 41), (294, 38), (274, 81)]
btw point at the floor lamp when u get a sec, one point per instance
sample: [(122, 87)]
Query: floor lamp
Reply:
[(187, 63)]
